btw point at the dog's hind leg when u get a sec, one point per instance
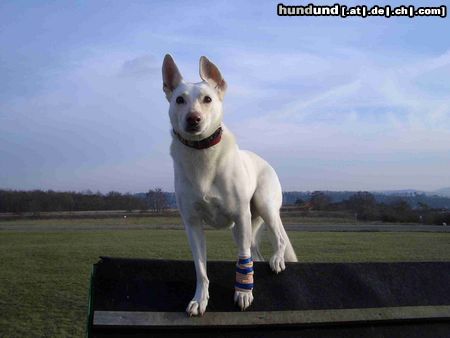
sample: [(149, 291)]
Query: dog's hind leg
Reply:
[(289, 253), (276, 232), (257, 231), (278, 240), (267, 201)]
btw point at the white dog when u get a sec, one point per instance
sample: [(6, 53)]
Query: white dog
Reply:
[(218, 184)]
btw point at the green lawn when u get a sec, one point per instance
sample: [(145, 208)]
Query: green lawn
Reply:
[(44, 277), (116, 221), (133, 221)]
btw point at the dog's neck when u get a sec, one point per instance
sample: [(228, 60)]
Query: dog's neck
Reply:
[(200, 167), (204, 143)]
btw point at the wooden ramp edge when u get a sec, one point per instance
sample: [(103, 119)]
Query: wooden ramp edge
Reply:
[(258, 318)]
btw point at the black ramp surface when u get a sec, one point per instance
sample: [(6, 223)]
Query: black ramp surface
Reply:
[(160, 285), (324, 300)]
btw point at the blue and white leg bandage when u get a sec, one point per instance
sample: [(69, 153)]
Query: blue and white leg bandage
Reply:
[(244, 274)]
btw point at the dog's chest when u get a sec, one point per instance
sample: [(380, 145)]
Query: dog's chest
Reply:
[(205, 183), (213, 201), (210, 196), (214, 211)]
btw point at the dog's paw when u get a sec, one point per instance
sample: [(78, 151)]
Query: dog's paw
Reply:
[(197, 307), (243, 299), (277, 263)]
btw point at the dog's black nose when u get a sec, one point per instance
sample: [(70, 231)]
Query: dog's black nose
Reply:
[(193, 119)]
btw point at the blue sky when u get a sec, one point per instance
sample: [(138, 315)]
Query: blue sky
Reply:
[(331, 103)]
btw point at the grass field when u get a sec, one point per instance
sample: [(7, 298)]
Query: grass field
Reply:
[(135, 223), (44, 276), (165, 220)]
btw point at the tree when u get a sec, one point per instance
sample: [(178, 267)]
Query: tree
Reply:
[(423, 206), (401, 206), (156, 199), (319, 200), (364, 205), (299, 201), (361, 201)]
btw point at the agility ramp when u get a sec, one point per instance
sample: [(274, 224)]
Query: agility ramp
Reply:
[(147, 298)]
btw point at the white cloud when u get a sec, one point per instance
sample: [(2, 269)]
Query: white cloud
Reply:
[(142, 66)]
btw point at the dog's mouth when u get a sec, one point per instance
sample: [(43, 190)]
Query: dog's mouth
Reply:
[(193, 129)]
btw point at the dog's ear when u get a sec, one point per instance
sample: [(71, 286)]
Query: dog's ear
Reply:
[(171, 76), (211, 74)]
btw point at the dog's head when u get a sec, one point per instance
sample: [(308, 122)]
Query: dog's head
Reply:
[(195, 108)]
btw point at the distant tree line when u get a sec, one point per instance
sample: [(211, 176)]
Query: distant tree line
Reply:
[(414, 208), (365, 207), (43, 201), (156, 199), (414, 199)]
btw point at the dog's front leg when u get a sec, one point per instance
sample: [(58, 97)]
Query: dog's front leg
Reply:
[(196, 238), (242, 233)]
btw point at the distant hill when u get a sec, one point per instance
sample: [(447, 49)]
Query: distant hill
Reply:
[(413, 197), (436, 199), (442, 192), (170, 197), (445, 192), (404, 192)]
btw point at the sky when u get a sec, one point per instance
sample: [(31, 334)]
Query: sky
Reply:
[(330, 103)]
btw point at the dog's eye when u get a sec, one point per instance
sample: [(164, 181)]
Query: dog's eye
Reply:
[(180, 100), (207, 99)]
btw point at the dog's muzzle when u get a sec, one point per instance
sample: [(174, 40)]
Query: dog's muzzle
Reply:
[(193, 121)]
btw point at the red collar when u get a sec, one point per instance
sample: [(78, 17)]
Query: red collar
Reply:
[(202, 144)]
